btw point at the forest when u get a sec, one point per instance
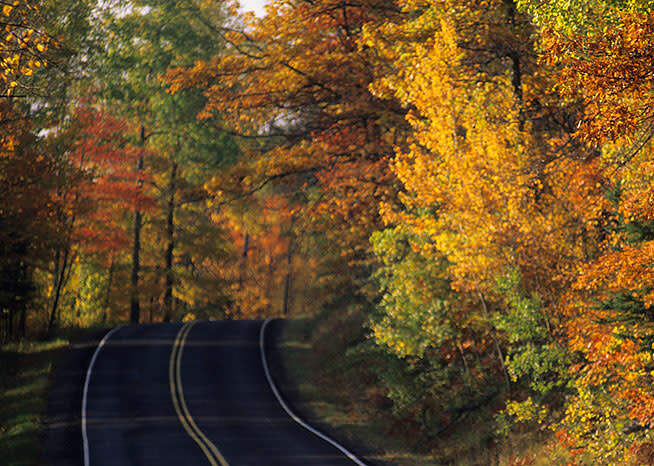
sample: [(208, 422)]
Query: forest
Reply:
[(479, 173)]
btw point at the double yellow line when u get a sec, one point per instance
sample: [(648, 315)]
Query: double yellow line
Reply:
[(177, 393)]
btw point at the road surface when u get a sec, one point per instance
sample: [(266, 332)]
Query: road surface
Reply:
[(184, 394)]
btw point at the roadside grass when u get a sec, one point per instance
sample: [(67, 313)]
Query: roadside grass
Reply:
[(344, 396), (25, 370), (25, 377), (344, 393)]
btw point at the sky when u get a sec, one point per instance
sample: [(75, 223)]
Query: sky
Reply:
[(253, 5)]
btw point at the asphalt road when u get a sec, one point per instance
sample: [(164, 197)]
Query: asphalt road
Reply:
[(193, 394)]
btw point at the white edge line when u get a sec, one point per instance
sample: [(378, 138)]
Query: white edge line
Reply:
[(285, 406), (85, 439)]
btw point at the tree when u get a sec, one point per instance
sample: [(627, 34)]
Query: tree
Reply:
[(294, 86), (495, 188), (23, 45), (96, 188), (24, 172), (184, 150), (26, 211), (599, 52)]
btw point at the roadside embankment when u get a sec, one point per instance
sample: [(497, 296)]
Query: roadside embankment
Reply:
[(37, 412), (334, 385)]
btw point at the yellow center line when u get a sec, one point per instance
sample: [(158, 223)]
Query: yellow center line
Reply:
[(177, 394)]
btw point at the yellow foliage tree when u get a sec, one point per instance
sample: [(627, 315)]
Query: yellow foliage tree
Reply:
[(22, 45)]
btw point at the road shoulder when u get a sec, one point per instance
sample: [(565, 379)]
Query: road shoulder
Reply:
[(282, 364)]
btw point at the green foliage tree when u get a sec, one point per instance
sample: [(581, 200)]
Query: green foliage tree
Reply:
[(534, 354)]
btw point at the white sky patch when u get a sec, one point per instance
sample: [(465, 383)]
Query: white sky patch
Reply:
[(254, 5)]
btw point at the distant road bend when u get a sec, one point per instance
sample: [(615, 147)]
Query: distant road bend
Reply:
[(193, 394)]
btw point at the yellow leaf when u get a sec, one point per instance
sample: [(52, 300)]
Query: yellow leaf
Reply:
[(7, 9)]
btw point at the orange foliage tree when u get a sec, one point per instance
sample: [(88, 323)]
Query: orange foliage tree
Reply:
[(600, 63), (95, 192), (294, 84)]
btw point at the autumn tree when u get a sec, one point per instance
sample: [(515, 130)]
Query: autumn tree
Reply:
[(185, 151), (26, 210), (23, 46), (598, 52), (94, 190), (24, 173), (492, 180), (294, 86)]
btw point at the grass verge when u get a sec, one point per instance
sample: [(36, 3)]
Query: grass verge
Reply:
[(25, 370), (339, 392), (344, 393)]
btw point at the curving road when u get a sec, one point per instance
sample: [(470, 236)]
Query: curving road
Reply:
[(190, 394)]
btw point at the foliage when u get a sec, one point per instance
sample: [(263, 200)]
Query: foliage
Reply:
[(415, 314), (294, 85), (534, 355), (23, 44), (611, 64)]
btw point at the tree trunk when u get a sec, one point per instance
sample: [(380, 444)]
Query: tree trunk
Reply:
[(135, 308), (170, 248), (243, 268), (516, 69), (466, 369), (271, 287), (61, 264), (244, 257), (10, 327), (22, 324), (287, 281), (55, 281), (107, 295), (289, 269), (516, 81), (516, 78)]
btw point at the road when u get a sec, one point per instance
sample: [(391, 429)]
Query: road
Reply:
[(188, 394)]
